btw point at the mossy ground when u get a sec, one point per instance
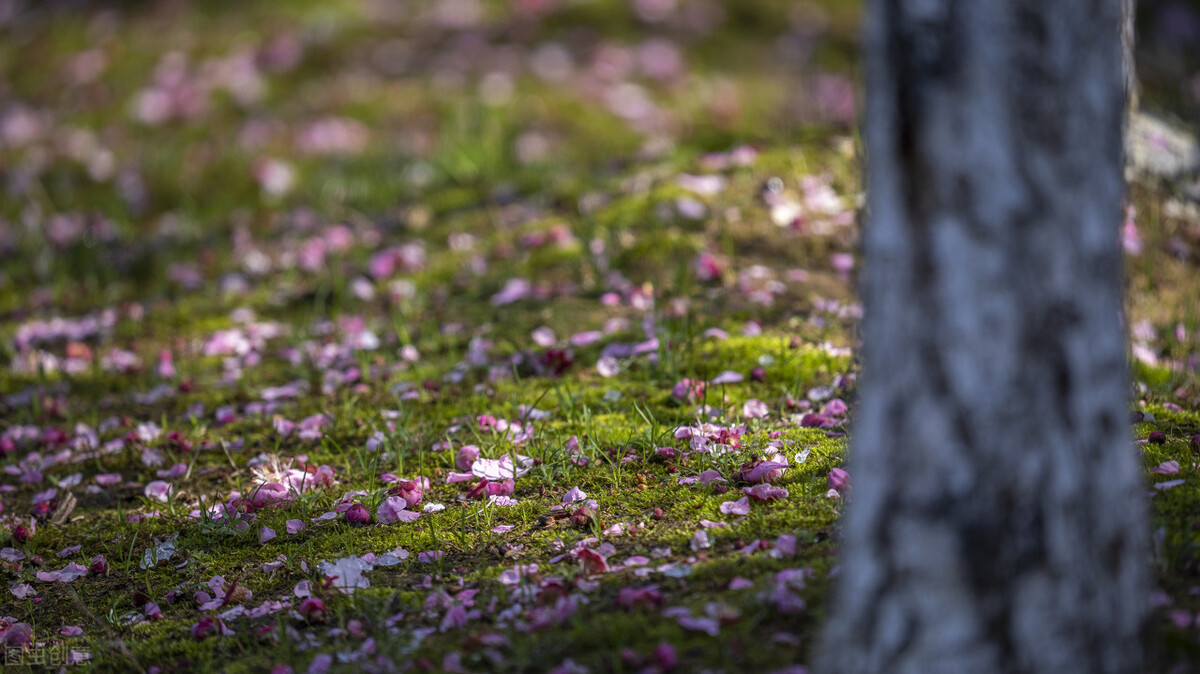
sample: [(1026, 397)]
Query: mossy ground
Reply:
[(444, 135)]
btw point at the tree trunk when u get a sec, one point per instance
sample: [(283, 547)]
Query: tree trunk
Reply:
[(997, 521), (1129, 63)]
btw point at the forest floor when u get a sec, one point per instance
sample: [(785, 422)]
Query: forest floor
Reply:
[(462, 336)]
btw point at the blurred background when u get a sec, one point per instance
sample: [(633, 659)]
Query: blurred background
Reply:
[(156, 150), (134, 135)]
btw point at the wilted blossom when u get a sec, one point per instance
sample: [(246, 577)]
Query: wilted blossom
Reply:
[(478, 490), (358, 514), (16, 635), (268, 493), (313, 610), (591, 562), (582, 517), (408, 490), (278, 481), (758, 470), (712, 438), (839, 480), (501, 488), (393, 509)]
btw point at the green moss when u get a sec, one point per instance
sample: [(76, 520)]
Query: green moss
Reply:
[(440, 163)]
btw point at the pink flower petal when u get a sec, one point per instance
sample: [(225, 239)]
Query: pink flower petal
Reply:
[(394, 509), (68, 551), (709, 626), (738, 507), (765, 492), (158, 490), (728, 377), (763, 471), (755, 409), (1166, 468), (591, 562)]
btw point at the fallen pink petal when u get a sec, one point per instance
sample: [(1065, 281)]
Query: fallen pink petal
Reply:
[(1166, 468), (394, 509), (739, 507)]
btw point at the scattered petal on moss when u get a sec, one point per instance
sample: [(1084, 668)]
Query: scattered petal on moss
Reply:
[(738, 507), (394, 509)]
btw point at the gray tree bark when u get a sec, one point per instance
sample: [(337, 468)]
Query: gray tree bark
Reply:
[(997, 521), (1128, 42)]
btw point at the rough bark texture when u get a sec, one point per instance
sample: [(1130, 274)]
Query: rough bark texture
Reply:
[(1128, 42), (997, 519)]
